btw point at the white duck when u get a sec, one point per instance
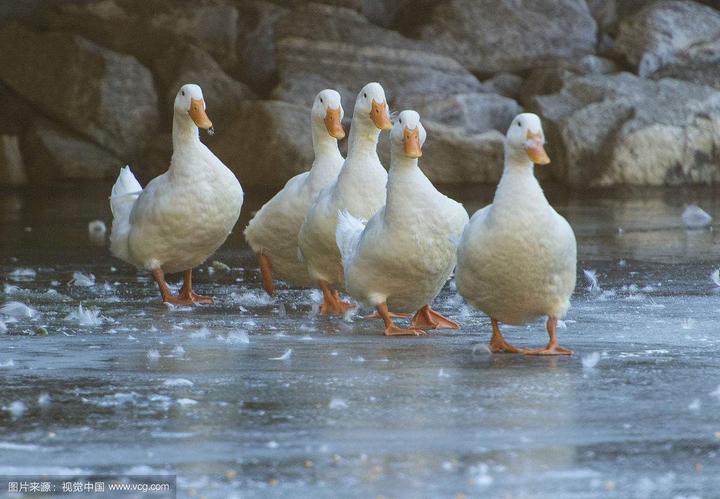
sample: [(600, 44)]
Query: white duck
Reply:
[(273, 231), (404, 255), (517, 256), (359, 189), (183, 215)]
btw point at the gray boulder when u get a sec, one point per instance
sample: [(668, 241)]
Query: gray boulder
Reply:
[(51, 154), (266, 143), (320, 46), (146, 28), (475, 113), (667, 32), (12, 167), (256, 43), (505, 84), (488, 36), (544, 81), (452, 155), (107, 97), (191, 64), (609, 130)]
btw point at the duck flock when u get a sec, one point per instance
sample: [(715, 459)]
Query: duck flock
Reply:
[(390, 240)]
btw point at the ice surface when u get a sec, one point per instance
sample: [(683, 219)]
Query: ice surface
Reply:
[(435, 416)]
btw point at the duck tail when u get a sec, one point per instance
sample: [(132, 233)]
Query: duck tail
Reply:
[(347, 234), (122, 199)]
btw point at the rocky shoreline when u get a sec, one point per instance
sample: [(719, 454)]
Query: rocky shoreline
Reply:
[(628, 88)]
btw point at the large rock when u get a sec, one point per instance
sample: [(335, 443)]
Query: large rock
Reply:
[(12, 168), (488, 36), (475, 113), (256, 44), (266, 143), (191, 64), (52, 153), (609, 130), (667, 32), (105, 96), (320, 46), (452, 155), (544, 81), (146, 28)]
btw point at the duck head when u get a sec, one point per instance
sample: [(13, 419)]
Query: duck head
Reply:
[(190, 105), (525, 140), (408, 135), (327, 113), (371, 107)]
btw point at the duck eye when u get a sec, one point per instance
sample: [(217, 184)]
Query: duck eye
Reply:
[(183, 93), (518, 124), (321, 100), (365, 95), (400, 121)]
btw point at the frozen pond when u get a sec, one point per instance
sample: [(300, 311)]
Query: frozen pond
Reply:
[(130, 386)]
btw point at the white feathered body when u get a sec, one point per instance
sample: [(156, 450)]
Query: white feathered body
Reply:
[(517, 256), (274, 230), (359, 189), (406, 253), (181, 217)]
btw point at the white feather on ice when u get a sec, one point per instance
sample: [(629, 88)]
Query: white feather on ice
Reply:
[(85, 316), (589, 361), (695, 217), (592, 280), (17, 409), (715, 277), (22, 275), (17, 310), (178, 382), (82, 280), (338, 404), (284, 356)]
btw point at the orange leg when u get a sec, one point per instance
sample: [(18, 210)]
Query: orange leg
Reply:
[(427, 318), (186, 291), (552, 347), (498, 343), (391, 329), (394, 315), (167, 296), (331, 301), (266, 271)]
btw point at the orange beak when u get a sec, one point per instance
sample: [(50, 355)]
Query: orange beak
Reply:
[(536, 150), (333, 124), (380, 116), (198, 115), (411, 143)]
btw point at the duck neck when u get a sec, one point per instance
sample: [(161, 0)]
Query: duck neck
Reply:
[(184, 132), (363, 137), (402, 178), (323, 144), (327, 154), (518, 185)]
